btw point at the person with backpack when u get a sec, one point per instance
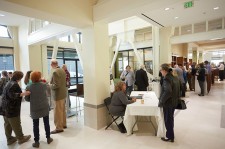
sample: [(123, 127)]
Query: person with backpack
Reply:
[(168, 100), (3, 81)]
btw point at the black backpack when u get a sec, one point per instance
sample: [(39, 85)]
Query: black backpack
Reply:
[(3, 82)]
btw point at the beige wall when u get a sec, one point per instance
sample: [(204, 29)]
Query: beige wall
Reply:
[(35, 58), (6, 42), (76, 13), (180, 50)]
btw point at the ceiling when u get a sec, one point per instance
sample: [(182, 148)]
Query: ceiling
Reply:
[(150, 10), (212, 44), (11, 19), (201, 11)]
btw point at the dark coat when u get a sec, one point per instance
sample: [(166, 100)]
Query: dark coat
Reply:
[(119, 103), (39, 106), (170, 91), (201, 74), (11, 100), (141, 80)]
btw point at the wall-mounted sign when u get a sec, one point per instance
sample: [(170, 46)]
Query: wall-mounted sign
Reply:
[(189, 4)]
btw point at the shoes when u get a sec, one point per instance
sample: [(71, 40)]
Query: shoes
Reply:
[(56, 131), (167, 140), (36, 144), (200, 94), (49, 140), (64, 127), (122, 128), (24, 139), (11, 140)]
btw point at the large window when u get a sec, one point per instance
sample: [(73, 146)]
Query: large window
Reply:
[(70, 58), (6, 59), (128, 57), (4, 31)]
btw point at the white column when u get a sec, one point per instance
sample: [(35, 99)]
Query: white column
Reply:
[(55, 49), (156, 50), (194, 55), (95, 55), (44, 62), (165, 45), (24, 50), (16, 48), (78, 48)]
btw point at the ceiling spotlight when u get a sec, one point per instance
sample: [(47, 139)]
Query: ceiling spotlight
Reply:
[(216, 38), (176, 17), (167, 8), (216, 8), (2, 15)]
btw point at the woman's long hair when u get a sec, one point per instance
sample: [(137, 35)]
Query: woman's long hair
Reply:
[(27, 77)]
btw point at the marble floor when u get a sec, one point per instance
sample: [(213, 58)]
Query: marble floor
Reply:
[(198, 127)]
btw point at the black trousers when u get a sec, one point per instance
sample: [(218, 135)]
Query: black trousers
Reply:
[(169, 121), (36, 128), (142, 88), (202, 87), (221, 75)]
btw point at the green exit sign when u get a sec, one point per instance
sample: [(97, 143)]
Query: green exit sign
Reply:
[(188, 4)]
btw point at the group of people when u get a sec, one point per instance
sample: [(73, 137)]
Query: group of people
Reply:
[(170, 93), (36, 94), (140, 79), (173, 87)]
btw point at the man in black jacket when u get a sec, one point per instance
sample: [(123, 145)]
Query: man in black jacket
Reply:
[(141, 79)]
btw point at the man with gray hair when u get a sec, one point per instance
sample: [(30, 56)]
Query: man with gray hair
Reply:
[(141, 79), (58, 87)]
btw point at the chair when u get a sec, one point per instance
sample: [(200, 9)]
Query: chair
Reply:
[(79, 92), (107, 102)]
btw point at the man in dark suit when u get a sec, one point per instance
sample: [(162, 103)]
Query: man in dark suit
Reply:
[(141, 79)]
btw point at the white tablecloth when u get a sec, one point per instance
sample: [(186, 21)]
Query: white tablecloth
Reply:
[(156, 87), (149, 108)]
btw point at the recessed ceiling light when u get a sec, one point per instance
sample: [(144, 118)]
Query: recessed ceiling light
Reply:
[(216, 38), (216, 8), (176, 17), (167, 8), (2, 15)]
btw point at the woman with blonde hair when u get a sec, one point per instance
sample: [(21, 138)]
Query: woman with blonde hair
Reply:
[(119, 103), (39, 106)]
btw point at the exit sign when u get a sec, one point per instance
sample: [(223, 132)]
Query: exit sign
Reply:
[(188, 4)]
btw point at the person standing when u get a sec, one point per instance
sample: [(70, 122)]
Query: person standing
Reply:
[(58, 87), (39, 107), (141, 79), (181, 78), (11, 106), (64, 67), (209, 75), (3, 81), (201, 78), (221, 71), (193, 73), (128, 76), (168, 100)]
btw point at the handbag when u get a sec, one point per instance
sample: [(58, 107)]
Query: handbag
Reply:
[(123, 78), (1, 111), (181, 105)]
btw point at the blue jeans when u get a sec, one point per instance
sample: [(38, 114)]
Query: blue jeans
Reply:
[(129, 89), (36, 128)]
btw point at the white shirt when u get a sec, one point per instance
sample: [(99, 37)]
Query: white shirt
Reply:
[(221, 67)]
